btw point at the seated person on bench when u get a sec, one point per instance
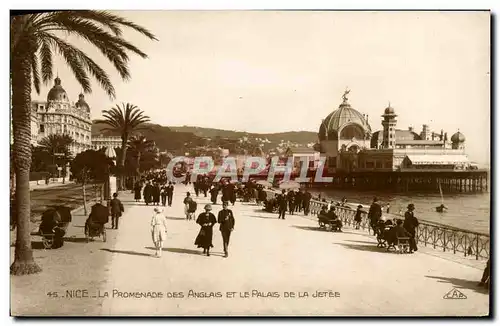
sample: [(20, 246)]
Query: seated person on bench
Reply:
[(396, 232), (335, 221)]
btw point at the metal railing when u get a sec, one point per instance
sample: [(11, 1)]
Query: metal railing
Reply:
[(429, 234)]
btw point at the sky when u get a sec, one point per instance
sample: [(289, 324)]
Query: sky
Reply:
[(278, 71)]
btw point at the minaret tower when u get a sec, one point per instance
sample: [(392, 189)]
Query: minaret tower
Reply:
[(389, 124)]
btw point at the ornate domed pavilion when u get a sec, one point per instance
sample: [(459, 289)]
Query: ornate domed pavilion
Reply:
[(344, 123)]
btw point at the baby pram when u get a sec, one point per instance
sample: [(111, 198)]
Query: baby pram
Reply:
[(94, 226), (55, 221)]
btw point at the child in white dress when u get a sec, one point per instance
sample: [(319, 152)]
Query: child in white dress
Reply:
[(158, 230)]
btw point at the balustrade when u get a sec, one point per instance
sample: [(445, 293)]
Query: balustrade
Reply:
[(439, 236)]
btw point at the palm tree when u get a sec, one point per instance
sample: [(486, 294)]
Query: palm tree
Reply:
[(125, 120), (34, 39), (140, 145)]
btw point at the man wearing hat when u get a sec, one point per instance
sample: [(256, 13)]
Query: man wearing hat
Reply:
[(410, 224), (374, 214), (226, 220), (206, 220), (282, 204)]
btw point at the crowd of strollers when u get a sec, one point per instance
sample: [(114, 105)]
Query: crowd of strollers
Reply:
[(158, 191)]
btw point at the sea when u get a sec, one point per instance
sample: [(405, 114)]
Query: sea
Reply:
[(470, 211)]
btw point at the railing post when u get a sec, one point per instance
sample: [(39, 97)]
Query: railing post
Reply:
[(425, 236), (477, 246), (465, 245), (454, 242), (434, 238), (444, 240)]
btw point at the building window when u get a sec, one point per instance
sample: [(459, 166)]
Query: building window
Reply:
[(378, 165), (42, 128), (369, 165)]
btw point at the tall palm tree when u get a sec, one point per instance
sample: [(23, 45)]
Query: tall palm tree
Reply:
[(139, 145), (57, 145), (125, 120), (34, 39)]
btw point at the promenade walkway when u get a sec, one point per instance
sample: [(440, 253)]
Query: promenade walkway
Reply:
[(271, 255), (267, 256)]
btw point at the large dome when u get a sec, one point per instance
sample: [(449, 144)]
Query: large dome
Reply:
[(81, 104), (57, 93), (334, 123), (458, 137)]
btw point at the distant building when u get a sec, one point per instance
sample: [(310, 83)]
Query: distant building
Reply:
[(57, 116), (102, 141), (346, 139)]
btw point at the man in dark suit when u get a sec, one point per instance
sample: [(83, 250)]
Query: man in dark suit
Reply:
[(170, 193), (226, 220), (116, 211), (374, 214), (282, 205)]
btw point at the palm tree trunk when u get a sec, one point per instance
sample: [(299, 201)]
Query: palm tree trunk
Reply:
[(21, 125), (138, 166), (84, 198), (121, 164)]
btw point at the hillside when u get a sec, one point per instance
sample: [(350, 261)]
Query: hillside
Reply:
[(302, 137), (175, 138)]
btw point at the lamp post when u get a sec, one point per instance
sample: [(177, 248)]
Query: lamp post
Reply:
[(111, 154)]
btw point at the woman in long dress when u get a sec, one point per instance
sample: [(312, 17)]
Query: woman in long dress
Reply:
[(137, 191), (206, 220), (158, 230)]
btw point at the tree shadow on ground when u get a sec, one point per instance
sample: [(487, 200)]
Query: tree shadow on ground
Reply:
[(264, 217), (371, 242), (371, 248), (181, 251), (174, 218), (460, 283), (309, 228), (75, 240), (127, 252)]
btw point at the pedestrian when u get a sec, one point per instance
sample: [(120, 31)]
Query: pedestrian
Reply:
[(226, 220), (163, 194), (116, 210), (214, 192), (137, 191), (148, 193), (291, 201), (374, 214), (485, 280), (170, 193), (357, 217), (189, 206), (282, 205), (410, 223), (158, 230), (388, 208), (204, 239), (306, 202), (156, 194)]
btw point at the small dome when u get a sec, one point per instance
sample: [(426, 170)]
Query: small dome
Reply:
[(458, 137), (335, 121), (57, 93), (81, 104), (389, 110)]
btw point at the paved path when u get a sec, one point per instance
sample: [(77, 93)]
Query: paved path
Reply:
[(270, 255)]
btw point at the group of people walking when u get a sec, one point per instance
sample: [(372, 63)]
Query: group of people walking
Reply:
[(154, 191), (293, 202)]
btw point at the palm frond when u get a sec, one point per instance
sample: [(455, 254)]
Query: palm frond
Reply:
[(72, 59), (35, 71), (46, 59)]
